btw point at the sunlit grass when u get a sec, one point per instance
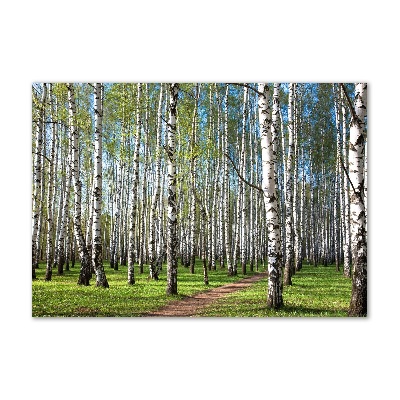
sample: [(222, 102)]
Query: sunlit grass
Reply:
[(316, 292), (63, 297)]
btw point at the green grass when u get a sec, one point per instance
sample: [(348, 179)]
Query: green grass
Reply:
[(62, 297), (316, 292)]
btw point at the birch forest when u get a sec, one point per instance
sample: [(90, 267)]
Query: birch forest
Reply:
[(161, 183)]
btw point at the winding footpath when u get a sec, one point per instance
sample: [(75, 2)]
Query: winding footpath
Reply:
[(190, 306)]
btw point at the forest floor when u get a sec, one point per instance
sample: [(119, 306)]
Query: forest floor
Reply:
[(190, 306), (315, 292)]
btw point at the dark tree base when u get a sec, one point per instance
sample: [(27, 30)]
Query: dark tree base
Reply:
[(83, 281), (103, 284), (84, 275), (274, 304), (358, 303)]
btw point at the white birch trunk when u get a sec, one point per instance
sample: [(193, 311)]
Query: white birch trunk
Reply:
[(345, 196), (227, 225), (60, 213), (358, 304), (289, 263), (89, 236), (156, 194), (236, 243), (50, 190), (85, 273), (193, 166), (220, 223), (243, 219), (97, 250), (64, 216), (142, 250), (296, 225), (338, 180), (172, 262), (37, 178), (283, 191), (275, 299), (135, 183), (209, 187)]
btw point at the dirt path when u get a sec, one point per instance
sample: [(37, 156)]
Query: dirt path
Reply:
[(191, 305)]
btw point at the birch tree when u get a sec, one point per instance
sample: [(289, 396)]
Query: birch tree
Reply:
[(193, 166), (358, 303), (61, 253), (156, 193), (172, 262), (275, 299), (85, 274), (97, 260), (345, 203), (289, 263), (226, 190), (135, 184), (243, 219), (37, 177), (50, 190)]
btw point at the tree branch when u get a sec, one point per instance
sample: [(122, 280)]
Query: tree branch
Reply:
[(168, 124), (351, 183), (241, 177), (42, 155), (353, 111), (247, 86)]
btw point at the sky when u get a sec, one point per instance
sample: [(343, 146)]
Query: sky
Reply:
[(158, 41)]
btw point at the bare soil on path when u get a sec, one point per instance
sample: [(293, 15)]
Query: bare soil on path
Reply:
[(190, 306)]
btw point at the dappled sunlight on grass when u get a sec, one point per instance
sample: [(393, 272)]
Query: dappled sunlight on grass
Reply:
[(64, 297), (316, 292)]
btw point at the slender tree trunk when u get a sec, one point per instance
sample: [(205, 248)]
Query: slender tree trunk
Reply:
[(89, 236), (275, 299), (37, 177), (172, 262), (64, 219), (227, 225), (97, 251), (156, 194), (338, 175), (68, 236), (144, 186), (243, 219), (358, 304), (52, 172), (236, 243), (135, 183), (345, 198), (284, 184), (289, 264), (117, 224), (193, 166), (85, 273), (60, 213)]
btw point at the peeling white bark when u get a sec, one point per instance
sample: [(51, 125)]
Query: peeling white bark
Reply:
[(275, 299)]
